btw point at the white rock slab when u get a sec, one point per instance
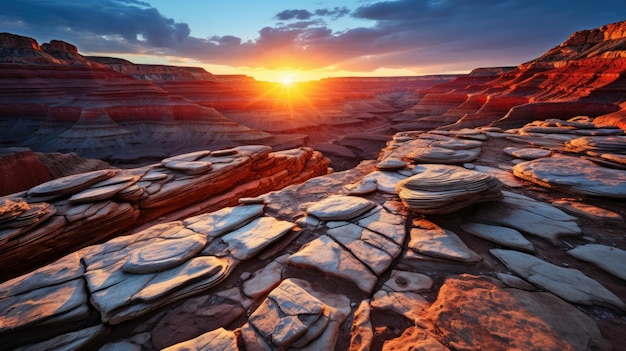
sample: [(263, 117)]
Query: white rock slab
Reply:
[(164, 254), (529, 216), (325, 255), (607, 258), (429, 239), (500, 235), (217, 223), (386, 181), (568, 283), (401, 281), (340, 207), (247, 241), (589, 211), (218, 339), (575, 175), (408, 304), (526, 153)]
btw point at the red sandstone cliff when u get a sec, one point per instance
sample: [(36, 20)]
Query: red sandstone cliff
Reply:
[(585, 75)]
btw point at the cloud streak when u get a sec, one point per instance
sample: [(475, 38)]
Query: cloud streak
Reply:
[(442, 35)]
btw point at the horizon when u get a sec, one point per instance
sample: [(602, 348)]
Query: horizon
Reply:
[(308, 41)]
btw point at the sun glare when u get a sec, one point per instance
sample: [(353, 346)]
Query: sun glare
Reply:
[(287, 80)]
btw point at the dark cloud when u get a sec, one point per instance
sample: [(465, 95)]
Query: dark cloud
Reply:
[(435, 35), (293, 14), (333, 13)]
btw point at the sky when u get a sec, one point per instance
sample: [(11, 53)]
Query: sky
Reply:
[(308, 40)]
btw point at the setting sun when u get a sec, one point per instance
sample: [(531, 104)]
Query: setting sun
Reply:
[(287, 80)]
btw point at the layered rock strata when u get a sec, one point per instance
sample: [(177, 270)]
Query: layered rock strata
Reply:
[(97, 205)]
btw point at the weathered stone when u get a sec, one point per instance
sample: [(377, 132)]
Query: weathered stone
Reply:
[(500, 235), (589, 211), (83, 339), (529, 216), (607, 258), (361, 332), (429, 239), (217, 223), (190, 167), (574, 175), (443, 189), (386, 181), (367, 246), (94, 194), (526, 153), (247, 241), (265, 279), (515, 281), (218, 339), (188, 157), (568, 283), (506, 177), (165, 254), (339, 207), (70, 184), (436, 154), (362, 187), (406, 303), (401, 281), (414, 339), (474, 313), (391, 163), (326, 255)]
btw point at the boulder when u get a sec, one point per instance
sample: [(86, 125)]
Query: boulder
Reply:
[(443, 189)]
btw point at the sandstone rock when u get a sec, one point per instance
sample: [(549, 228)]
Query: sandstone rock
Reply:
[(574, 175), (217, 223), (195, 317), (265, 279), (245, 242), (401, 281), (443, 189), (505, 177), (526, 153), (479, 313), (414, 339), (361, 333), (515, 281), (568, 283), (338, 207), (325, 255), (362, 187), (82, 339), (405, 303), (501, 235), (189, 167), (607, 258), (429, 239), (589, 211), (293, 314), (436, 154), (165, 254), (529, 216), (386, 181), (390, 164), (70, 184), (218, 339)]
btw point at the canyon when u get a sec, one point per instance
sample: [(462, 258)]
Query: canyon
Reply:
[(149, 207)]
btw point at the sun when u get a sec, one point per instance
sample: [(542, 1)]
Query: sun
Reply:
[(286, 80)]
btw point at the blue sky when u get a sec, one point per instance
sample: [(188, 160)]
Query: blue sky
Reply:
[(312, 39)]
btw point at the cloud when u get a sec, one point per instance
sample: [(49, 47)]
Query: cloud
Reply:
[(293, 14), (441, 34)]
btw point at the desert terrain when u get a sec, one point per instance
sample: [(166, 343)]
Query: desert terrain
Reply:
[(150, 207)]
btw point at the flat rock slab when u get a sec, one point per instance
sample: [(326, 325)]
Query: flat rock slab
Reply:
[(391, 163), (414, 338), (607, 258), (568, 283), (429, 239), (190, 167), (386, 181), (165, 254), (218, 339), (480, 313), (217, 223), (506, 177), (401, 281), (325, 255), (526, 153), (574, 175), (443, 189), (589, 211), (405, 303), (529, 216), (70, 184), (501, 235), (293, 315), (340, 207), (247, 241), (436, 154)]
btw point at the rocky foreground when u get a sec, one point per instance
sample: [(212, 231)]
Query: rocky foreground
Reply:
[(468, 239)]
